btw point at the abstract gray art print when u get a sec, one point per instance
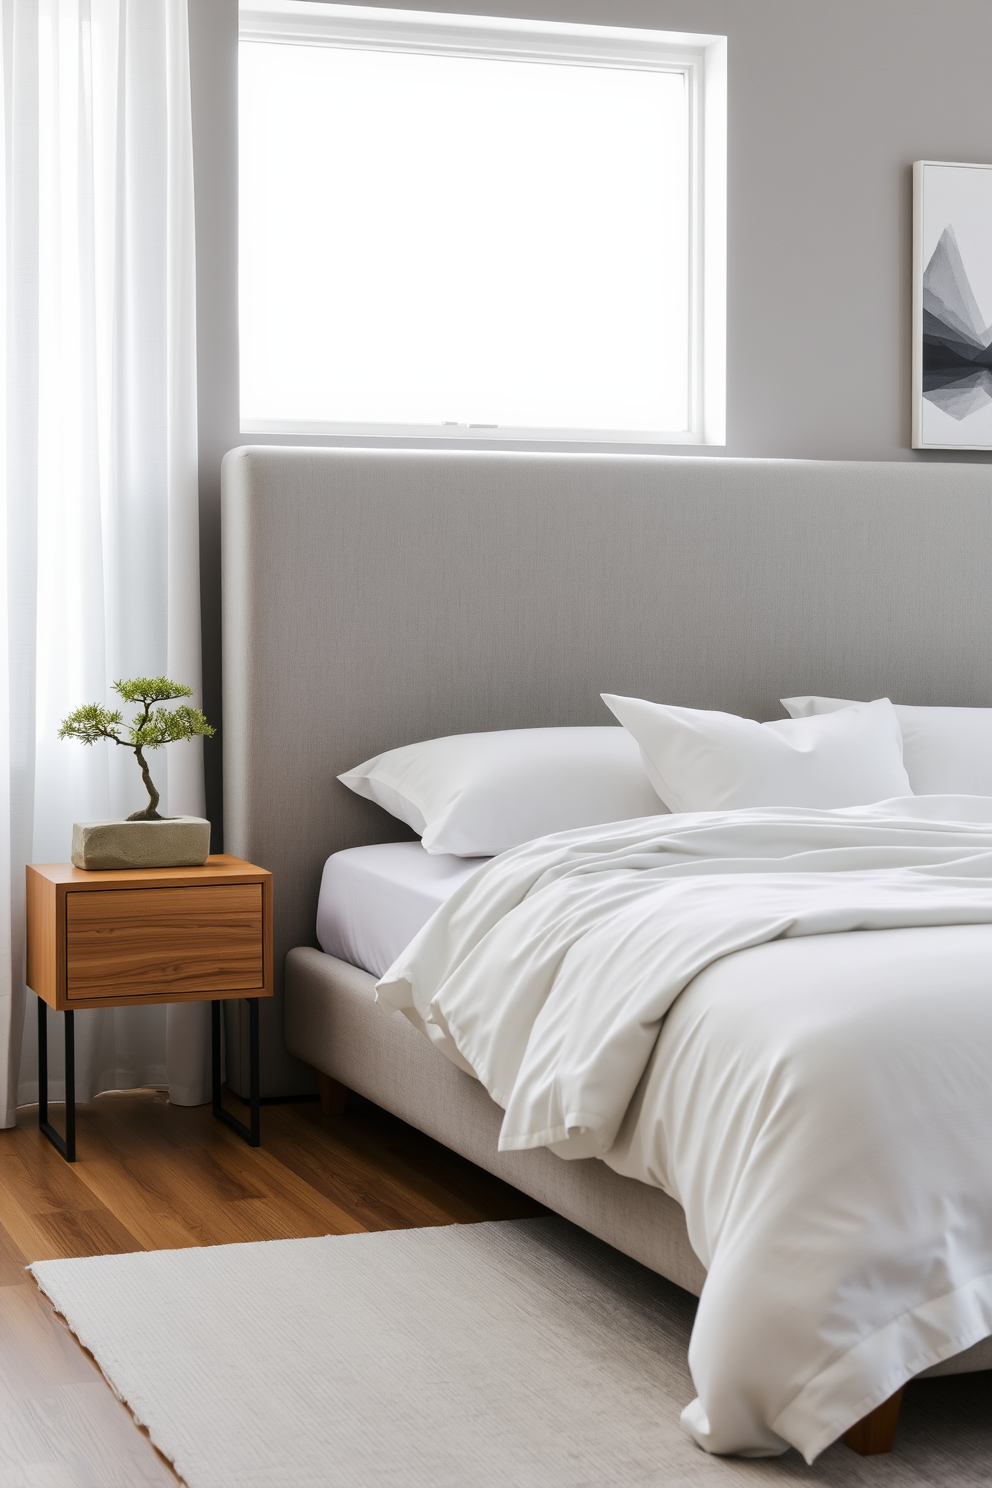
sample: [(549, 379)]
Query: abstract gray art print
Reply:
[(952, 306)]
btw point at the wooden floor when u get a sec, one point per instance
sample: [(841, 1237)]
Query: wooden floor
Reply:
[(151, 1176)]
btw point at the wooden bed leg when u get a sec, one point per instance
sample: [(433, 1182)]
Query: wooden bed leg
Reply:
[(332, 1096), (875, 1432)]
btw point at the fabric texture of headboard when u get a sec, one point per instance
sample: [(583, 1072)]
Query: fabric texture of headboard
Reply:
[(376, 597)]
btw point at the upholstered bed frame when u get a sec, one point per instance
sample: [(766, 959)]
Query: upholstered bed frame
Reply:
[(373, 598)]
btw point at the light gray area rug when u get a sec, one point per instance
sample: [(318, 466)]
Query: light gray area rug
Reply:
[(522, 1354)]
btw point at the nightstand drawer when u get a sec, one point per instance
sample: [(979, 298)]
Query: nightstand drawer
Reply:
[(163, 941)]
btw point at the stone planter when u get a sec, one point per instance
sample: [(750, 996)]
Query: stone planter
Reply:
[(175, 842)]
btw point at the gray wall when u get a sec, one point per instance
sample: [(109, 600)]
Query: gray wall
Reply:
[(830, 103)]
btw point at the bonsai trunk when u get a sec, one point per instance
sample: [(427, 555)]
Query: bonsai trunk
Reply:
[(150, 812)]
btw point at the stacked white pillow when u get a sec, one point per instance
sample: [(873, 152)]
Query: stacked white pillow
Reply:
[(476, 795), (706, 761), (947, 751)]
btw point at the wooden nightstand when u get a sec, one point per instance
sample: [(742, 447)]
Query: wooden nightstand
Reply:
[(107, 939)]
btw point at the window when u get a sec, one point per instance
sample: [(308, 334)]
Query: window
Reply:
[(479, 228)]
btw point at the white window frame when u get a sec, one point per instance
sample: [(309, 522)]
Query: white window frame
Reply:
[(702, 59)]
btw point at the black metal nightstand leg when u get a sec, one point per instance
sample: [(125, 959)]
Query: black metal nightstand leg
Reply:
[(251, 1134), (254, 1079), (67, 1144), (42, 1063), (215, 1057)]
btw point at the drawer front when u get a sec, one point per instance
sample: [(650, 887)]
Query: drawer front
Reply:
[(122, 942)]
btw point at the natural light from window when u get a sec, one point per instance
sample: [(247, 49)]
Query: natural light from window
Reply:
[(465, 241)]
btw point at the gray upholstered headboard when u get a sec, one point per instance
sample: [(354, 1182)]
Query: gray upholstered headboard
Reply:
[(373, 597)]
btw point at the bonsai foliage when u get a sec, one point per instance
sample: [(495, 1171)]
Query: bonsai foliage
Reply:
[(150, 728)]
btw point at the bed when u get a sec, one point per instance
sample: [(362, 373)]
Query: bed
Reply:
[(372, 598)]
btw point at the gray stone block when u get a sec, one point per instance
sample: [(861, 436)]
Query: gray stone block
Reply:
[(175, 842)]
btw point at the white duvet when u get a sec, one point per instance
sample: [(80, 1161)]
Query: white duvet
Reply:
[(819, 1099)]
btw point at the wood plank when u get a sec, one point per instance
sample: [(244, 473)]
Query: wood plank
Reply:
[(33, 1360), (399, 1147), (60, 1423), (196, 1199), (59, 1233), (362, 1194), (381, 1198), (33, 1175), (80, 1437), (356, 1167), (392, 1145), (134, 942), (12, 1260), (47, 1210), (174, 1177), (172, 1171), (143, 1206)]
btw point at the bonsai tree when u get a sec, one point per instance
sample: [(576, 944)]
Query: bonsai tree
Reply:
[(150, 728)]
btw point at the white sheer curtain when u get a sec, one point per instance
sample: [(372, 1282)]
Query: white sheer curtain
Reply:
[(99, 514)]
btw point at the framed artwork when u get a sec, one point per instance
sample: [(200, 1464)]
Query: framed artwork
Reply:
[(952, 306)]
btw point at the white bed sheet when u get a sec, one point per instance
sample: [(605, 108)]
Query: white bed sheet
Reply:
[(373, 900)]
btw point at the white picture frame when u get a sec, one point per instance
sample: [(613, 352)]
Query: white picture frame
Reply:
[(952, 305)]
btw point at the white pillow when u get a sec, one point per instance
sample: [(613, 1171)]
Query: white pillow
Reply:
[(703, 761), (947, 751), (476, 795)]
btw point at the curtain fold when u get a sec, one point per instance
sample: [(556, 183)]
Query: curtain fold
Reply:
[(99, 500)]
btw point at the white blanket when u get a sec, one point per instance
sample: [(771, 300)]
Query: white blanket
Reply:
[(820, 1101)]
